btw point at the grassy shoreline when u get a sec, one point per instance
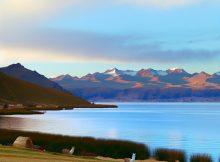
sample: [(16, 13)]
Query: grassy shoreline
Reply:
[(84, 146), (8, 153), (92, 148), (33, 110), (22, 111)]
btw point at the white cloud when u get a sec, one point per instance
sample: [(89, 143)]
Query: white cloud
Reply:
[(29, 12), (10, 55), (33, 6), (159, 3), (41, 7), (20, 10), (21, 38)]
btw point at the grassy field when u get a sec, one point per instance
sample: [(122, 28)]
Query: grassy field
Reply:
[(11, 154)]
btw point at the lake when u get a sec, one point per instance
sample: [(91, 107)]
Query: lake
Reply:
[(193, 127)]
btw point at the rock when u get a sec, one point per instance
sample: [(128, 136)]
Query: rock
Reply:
[(127, 160), (65, 151)]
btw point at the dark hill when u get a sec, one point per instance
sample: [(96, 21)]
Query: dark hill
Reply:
[(20, 72), (14, 90)]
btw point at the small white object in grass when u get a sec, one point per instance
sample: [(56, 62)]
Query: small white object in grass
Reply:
[(133, 157), (72, 151)]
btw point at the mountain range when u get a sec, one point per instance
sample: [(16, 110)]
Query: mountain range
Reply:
[(144, 85), (128, 85)]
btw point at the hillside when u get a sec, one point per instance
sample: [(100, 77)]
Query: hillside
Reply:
[(20, 72), (18, 91)]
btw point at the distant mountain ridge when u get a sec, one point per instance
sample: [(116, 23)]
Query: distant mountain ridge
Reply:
[(20, 72), (113, 84)]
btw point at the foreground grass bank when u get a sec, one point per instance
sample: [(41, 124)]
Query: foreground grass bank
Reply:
[(84, 145), (11, 154), (115, 149)]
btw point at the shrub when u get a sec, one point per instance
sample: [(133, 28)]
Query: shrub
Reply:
[(170, 155), (200, 158), (83, 145)]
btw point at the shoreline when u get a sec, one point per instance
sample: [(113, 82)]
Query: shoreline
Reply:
[(90, 147), (34, 110), (84, 146)]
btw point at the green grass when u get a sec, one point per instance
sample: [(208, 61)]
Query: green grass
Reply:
[(8, 153), (21, 152)]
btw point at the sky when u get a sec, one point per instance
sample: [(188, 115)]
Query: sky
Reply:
[(77, 37)]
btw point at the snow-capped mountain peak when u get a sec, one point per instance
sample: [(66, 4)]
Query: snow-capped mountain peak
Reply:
[(112, 71), (152, 72), (217, 73), (115, 72), (176, 70)]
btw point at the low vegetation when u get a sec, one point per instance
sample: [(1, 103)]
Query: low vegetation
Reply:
[(18, 112), (200, 158), (170, 155), (84, 145)]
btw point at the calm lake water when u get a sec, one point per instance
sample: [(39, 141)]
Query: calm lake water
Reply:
[(194, 127)]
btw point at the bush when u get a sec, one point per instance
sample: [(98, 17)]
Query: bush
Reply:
[(170, 155), (200, 158), (83, 145)]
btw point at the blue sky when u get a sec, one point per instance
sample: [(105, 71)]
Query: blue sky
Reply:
[(84, 36)]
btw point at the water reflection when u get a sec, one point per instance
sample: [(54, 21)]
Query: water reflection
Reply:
[(192, 127), (17, 123)]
